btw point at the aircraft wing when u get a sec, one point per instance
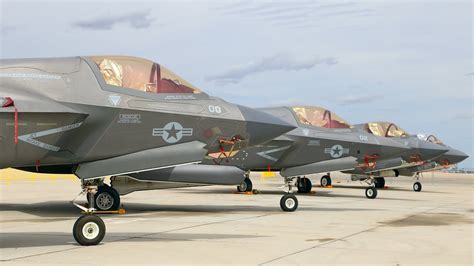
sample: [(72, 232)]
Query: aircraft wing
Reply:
[(147, 160)]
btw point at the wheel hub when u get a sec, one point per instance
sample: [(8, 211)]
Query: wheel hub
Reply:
[(290, 203), (90, 230), (105, 201)]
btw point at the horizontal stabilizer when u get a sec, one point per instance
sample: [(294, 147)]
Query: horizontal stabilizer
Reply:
[(321, 167), (157, 158)]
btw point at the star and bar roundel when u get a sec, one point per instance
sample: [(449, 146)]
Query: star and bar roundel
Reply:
[(172, 132)]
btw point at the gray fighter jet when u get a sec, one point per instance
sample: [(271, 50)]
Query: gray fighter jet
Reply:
[(113, 115), (322, 142), (446, 160), (420, 152)]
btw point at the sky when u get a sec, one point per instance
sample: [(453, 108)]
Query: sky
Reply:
[(408, 62)]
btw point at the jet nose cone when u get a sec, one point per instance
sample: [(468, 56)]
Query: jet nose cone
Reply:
[(430, 150), (392, 148), (263, 127), (455, 156)]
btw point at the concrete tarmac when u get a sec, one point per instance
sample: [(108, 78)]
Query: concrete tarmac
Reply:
[(215, 225)]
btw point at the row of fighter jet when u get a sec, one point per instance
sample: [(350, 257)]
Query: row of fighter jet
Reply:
[(147, 128)]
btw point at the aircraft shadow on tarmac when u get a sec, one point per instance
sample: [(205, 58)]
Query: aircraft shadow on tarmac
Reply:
[(43, 239), (390, 188), (320, 192), (52, 211)]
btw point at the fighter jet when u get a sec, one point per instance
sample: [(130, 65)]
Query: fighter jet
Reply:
[(322, 142), (103, 116), (446, 160), (420, 152)]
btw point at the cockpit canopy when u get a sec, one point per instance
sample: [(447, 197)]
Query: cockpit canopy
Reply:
[(386, 129), (434, 139), (319, 117), (141, 74)]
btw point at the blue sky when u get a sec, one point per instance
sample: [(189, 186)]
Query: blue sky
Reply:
[(409, 62)]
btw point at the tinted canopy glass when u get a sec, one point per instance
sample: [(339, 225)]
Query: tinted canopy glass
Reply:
[(386, 129), (434, 139), (319, 117), (141, 74)]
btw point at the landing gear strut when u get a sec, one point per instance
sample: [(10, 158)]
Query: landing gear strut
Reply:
[(289, 202), (89, 229), (246, 185)]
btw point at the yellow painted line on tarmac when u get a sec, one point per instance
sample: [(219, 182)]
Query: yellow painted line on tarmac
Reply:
[(268, 174), (7, 176)]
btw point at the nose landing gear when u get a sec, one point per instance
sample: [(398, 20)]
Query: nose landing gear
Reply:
[(417, 185), (289, 202), (89, 229), (371, 192)]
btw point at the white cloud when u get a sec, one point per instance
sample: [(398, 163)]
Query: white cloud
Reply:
[(359, 99), (279, 62), (137, 20)]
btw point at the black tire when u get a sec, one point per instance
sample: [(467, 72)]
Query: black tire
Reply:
[(245, 186), (371, 192), (289, 203), (88, 230), (379, 182), (326, 181), (106, 199), (304, 185), (417, 186)]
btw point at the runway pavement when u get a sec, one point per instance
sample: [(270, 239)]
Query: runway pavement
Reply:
[(215, 225)]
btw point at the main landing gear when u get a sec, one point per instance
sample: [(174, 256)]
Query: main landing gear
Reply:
[(89, 229), (246, 185), (303, 184), (326, 180), (417, 185), (379, 182), (106, 198), (289, 202)]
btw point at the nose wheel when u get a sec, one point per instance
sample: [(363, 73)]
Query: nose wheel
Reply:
[(417, 186), (371, 192), (89, 230), (289, 202)]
